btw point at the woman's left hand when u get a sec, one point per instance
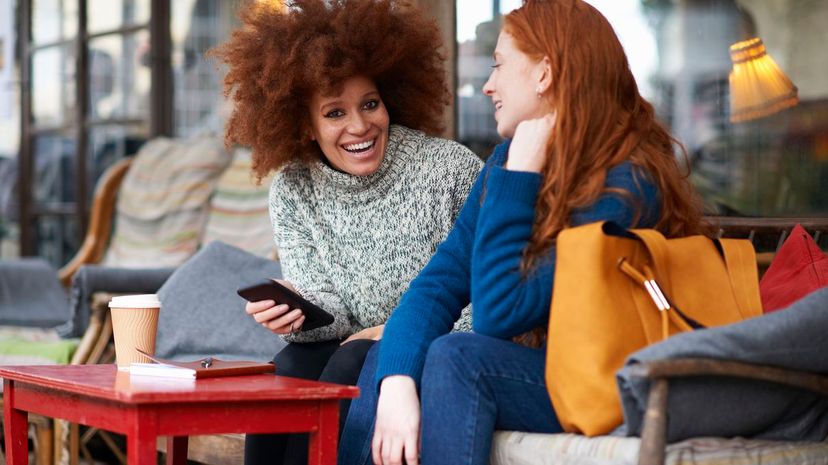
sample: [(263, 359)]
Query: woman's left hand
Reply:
[(528, 149), (374, 332)]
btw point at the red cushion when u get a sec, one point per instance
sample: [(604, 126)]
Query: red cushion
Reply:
[(798, 269)]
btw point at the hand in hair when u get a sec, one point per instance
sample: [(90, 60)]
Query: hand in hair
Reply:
[(528, 149)]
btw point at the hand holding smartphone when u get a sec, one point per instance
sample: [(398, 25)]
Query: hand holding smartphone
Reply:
[(315, 316)]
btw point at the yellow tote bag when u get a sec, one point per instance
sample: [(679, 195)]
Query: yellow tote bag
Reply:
[(619, 290)]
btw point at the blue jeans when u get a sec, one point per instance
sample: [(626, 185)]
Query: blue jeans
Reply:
[(472, 385)]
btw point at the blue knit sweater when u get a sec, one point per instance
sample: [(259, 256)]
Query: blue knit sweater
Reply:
[(479, 262)]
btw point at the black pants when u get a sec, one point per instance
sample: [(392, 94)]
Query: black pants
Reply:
[(324, 361)]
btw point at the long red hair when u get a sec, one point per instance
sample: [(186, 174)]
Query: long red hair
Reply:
[(602, 121)]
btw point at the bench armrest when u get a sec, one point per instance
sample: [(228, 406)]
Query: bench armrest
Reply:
[(654, 432), (90, 279)]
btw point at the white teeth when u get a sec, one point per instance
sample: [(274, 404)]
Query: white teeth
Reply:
[(498, 105), (359, 147)]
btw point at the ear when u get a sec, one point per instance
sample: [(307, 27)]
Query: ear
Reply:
[(545, 76)]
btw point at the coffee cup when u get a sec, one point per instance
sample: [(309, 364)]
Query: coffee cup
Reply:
[(134, 325)]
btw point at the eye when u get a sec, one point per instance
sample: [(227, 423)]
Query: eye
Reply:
[(371, 104), (496, 65), (334, 113)]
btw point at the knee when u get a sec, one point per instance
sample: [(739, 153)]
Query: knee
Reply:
[(345, 364), (453, 346), (450, 356)]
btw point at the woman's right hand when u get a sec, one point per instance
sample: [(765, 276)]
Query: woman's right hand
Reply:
[(397, 431), (527, 151), (279, 319)]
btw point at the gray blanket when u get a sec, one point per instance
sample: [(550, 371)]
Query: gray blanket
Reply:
[(795, 338), (202, 315), (31, 294)]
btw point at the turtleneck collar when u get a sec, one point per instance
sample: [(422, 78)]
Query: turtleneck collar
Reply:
[(331, 183)]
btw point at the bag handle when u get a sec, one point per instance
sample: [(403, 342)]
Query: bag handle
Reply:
[(664, 305), (654, 242), (740, 260)]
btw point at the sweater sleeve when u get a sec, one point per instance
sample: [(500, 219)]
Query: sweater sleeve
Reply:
[(466, 169), (506, 302), (302, 266), (434, 300)]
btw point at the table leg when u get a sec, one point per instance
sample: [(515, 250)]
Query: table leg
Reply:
[(177, 450), (16, 425), (323, 441), (141, 438)]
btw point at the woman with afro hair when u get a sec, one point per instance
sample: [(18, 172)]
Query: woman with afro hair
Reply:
[(342, 98)]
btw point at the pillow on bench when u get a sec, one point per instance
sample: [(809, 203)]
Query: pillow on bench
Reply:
[(798, 269), (162, 202), (201, 314)]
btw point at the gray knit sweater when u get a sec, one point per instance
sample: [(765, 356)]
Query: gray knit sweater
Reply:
[(351, 244)]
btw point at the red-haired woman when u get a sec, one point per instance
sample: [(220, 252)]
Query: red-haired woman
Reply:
[(337, 97), (582, 146)]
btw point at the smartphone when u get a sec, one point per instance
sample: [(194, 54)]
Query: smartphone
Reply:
[(315, 317)]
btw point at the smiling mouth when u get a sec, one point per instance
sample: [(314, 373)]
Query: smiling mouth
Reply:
[(498, 105), (360, 147)]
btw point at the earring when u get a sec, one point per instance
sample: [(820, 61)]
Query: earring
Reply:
[(538, 91)]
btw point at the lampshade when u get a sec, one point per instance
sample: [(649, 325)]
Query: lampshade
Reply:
[(758, 88)]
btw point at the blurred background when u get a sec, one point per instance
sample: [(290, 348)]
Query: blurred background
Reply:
[(84, 83)]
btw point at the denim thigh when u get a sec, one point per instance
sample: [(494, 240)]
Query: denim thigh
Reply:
[(473, 385)]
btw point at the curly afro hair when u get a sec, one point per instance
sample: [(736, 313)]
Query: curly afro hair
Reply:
[(279, 58)]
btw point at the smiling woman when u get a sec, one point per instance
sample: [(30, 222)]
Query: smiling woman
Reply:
[(362, 196)]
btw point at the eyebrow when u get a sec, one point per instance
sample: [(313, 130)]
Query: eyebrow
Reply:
[(335, 103)]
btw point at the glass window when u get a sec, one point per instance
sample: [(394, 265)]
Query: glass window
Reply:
[(119, 76), (199, 25), (478, 25), (107, 15), (54, 169), (53, 85), (107, 145), (9, 132), (54, 20), (772, 165), (58, 236)]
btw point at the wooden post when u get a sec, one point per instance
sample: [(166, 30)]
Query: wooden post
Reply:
[(654, 435), (445, 12)]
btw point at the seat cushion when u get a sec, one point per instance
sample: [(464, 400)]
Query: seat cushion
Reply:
[(517, 448), (798, 269), (201, 314), (34, 346), (238, 212), (162, 203)]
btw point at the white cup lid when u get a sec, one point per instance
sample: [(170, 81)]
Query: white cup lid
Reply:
[(135, 301)]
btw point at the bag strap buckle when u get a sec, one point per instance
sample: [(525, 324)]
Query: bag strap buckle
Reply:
[(649, 284)]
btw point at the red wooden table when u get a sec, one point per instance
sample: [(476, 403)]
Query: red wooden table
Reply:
[(143, 408)]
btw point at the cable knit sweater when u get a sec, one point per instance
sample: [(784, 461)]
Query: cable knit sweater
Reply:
[(351, 244)]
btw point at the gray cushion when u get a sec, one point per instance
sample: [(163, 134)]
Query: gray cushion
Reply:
[(31, 294), (793, 338), (202, 315)]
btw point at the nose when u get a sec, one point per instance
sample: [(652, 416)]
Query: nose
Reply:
[(357, 123), (488, 87)]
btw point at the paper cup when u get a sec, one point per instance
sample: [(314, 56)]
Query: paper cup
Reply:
[(134, 325)]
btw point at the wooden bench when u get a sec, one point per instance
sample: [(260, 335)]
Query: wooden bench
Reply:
[(767, 234)]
